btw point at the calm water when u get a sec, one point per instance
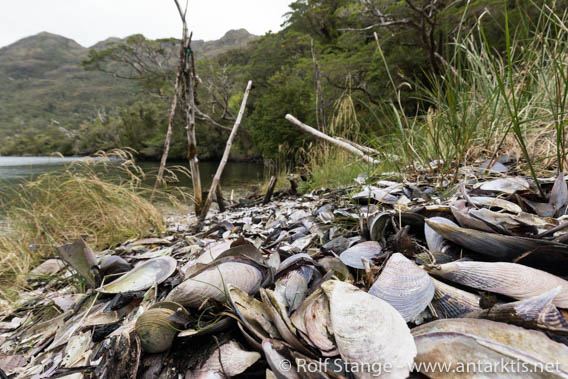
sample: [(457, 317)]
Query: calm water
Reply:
[(14, 170)]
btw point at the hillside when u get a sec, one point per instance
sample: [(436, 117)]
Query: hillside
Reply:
[(45, 92)]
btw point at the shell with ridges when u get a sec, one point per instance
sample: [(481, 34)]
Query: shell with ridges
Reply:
[(510, 279), (227, 361), (365, 329), (211, 283), (405, 286), (352, 256), (451, 302)]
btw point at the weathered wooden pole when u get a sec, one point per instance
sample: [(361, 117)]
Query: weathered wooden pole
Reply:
[(225, 158)]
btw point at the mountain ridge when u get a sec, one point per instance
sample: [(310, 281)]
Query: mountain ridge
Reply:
[(42, 83)]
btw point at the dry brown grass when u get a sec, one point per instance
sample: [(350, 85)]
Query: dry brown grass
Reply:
[(60, 207)]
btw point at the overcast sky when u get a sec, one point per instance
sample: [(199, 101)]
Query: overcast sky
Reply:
[(90, 21)]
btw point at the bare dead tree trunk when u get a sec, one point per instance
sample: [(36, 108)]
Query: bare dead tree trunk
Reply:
[(346, 146), (223, 162), (189, 92), (169, 133), (190, 128), (320, 111)]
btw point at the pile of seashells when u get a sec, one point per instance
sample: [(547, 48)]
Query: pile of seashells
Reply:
[(376, 280)]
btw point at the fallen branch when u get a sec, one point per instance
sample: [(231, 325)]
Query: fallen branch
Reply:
[(223, 162), (346, 146), (365, 149)]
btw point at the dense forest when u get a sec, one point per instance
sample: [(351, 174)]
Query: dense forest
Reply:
[(324, 63)]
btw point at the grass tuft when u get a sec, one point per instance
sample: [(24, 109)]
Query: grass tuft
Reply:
[(59, 207)]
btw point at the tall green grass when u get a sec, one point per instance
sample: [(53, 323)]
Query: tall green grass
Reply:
[(487, 103), (81, 201)]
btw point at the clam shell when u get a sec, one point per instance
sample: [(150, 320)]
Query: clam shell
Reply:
[(211, 283), (506, 185), (352, 256), (280, 319), (495, 245), (510, 279), (280, 364), (293, 286), (461, 213), (434, 240), (559, 195), (337, 267), (252, 313), (155, 330), (495, 202), (377, 225), (451, 302), (405, 286), (363, 325), (112, 264), (318, 326), (227, 361), (463, 342), (143, 276)]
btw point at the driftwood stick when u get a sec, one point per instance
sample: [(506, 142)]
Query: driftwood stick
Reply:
[(334, 141), (225, 158), (365, 149), (270, 190)]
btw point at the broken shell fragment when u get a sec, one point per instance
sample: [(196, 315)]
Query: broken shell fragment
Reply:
[(80, 256), (212, 282), (143, 276), (362, 324), (227, 361), (510, 279), (451, 302), (458, 342), (405, 286), (535, 313), (352, 256)]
